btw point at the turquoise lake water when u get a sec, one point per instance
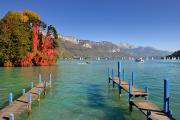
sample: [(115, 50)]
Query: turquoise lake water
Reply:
[(81, 91)]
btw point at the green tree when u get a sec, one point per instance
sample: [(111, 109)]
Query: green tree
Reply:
[(52, 30), (15, 36)]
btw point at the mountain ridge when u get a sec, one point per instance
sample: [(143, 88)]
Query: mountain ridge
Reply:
[(71, 46)]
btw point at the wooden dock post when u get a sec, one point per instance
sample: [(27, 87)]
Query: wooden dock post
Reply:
[(119, 86), (23, 93), (31, 85), (119, 77), (130, 95), (40, 78), (166, 108), (109, 75), (119, 69), (29, 102), (44, 87), (123, 74), (50, 80), (148, 115), (11, 116), (113, 77), (133, 80), (10, 98), (146, 91)]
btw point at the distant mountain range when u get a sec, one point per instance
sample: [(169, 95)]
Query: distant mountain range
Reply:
[(146, 52), (69, 47)]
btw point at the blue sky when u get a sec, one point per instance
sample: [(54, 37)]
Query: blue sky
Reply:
[(153, 23)]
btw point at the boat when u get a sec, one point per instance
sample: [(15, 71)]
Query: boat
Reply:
[(87, 62), (139, 60)]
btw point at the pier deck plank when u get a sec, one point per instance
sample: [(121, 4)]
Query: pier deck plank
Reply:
[(142, 105), (145, 105), (125, 86), (19, 105)]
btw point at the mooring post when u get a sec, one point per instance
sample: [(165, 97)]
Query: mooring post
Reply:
[(132, 78), (148, 115), (113, 77), (130, 90), (11, 116), (44, 87), (39, 93), (119, 69), (29, 102), (10, 98), (146, 91), (123, 74), (130, 95), (23, 93), (109, 75), (40, 78), (50, 80), (119, 86), (119, 77), (166, 97), (31, 85)]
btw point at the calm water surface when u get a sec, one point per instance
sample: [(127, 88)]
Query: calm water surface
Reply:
[(82, 91)]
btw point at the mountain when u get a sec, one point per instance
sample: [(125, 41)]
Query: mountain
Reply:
[(70, 46), (87, 48), (146, 52)]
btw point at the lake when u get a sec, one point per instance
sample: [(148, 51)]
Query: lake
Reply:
[(81, 91)]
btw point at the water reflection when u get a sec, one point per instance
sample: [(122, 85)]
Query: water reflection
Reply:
[(98, 101)]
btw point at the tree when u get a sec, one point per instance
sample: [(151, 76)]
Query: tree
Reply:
[(52, 30), (15, 36), (16, 31)]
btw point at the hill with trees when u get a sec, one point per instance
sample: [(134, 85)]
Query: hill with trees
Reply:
[(21, 35), (176, 55)]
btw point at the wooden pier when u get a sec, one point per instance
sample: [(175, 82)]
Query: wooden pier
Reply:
[(16, 107), (125, 86), (148, 108)]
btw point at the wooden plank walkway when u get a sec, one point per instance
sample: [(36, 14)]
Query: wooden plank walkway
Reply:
[(145, 105), (19, 105), (125, 86)]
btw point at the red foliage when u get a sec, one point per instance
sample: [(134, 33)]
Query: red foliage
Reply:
[(26, 60), (47, 56), (35, 37)]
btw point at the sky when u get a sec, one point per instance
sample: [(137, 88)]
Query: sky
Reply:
[(154, 23)]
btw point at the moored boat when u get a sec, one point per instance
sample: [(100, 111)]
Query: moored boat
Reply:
[(139, 60)]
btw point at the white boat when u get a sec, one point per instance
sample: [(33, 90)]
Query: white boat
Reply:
[(139, 60)]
